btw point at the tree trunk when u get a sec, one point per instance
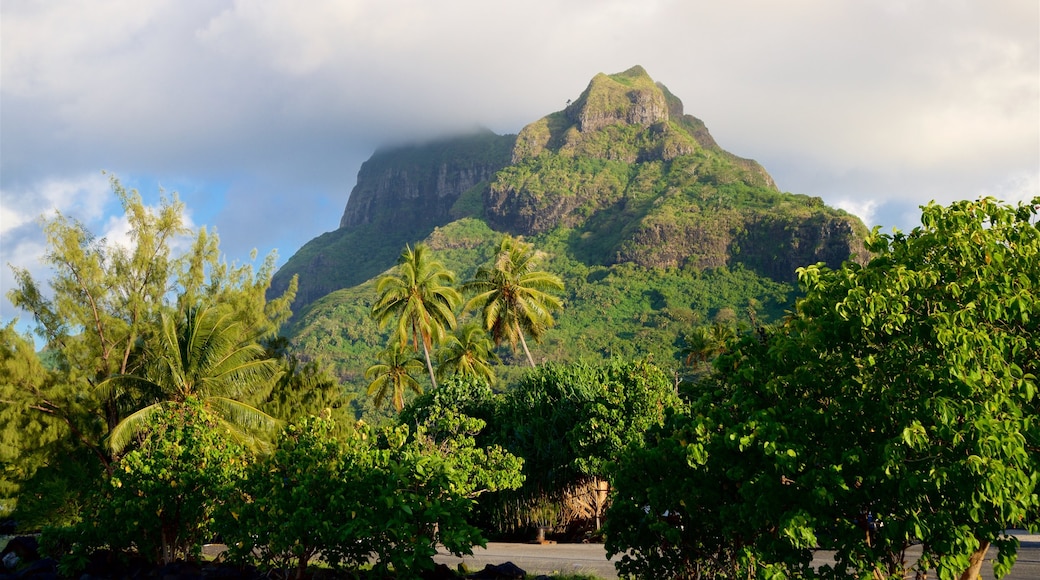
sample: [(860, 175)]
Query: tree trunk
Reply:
[(975, 563), (429, 365), (524, 344)]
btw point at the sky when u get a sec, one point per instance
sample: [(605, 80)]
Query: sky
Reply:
[(259, 113)]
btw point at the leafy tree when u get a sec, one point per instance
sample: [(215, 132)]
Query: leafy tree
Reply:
[(393, 494), (419, 297), (161, 498), (467, 353), (104, 299), (569, 423), (393, 375), (705, 343), (294, 503), (304, 389), (514, 298), (896, 406), (105, 303), (201, 355)]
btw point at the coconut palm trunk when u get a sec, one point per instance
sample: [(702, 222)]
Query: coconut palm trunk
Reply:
[(523, 342)]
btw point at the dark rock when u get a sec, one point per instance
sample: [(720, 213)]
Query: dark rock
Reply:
[(506, 571), (40, 570), (26, 548), (440, 572), (180, 570)]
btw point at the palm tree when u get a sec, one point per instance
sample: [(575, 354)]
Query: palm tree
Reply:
[(707, 342), (468, 352), (393, 375), (201, 354), (513, 297), (419, 296)]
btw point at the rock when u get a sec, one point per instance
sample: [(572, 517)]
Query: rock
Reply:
[(40, 570), (440, 572), (20, 549), (506, 571)]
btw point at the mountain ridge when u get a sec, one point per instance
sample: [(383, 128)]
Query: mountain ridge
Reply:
[(622, 169)]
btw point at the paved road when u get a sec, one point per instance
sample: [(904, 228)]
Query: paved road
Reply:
[(591, 559)]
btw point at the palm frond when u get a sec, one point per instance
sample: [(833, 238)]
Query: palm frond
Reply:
[(238, 413), (135, 424)]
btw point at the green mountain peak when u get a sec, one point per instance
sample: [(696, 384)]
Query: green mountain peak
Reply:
[(622, 174)]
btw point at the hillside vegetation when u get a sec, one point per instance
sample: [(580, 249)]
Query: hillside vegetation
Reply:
[(654, 228)]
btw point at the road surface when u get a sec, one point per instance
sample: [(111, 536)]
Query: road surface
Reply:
[(591, 559)]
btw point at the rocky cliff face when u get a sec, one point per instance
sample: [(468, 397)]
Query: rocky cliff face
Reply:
[(417, 186)]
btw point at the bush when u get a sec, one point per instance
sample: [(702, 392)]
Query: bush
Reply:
[(161, 498), (393, 493)]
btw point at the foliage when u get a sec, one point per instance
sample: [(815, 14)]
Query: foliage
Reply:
[(304, 389), (468, 352), (161, 498), (667, 518), (513, 297), (622, 311), (896, 406), (201, 355), (393, 375), (419, 297), (569, 422), (101, 316), (294, 503), (394, 493)]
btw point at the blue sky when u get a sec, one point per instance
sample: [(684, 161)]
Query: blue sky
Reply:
[(259, 113)]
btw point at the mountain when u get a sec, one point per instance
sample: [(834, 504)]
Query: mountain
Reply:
[(401, 195), (630, 199)]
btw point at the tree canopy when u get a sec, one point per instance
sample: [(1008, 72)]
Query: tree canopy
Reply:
[(514, 298), (103, 316), (896, 406), (418, 295)]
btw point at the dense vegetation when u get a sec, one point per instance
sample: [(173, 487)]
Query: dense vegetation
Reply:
[(655, 229), (896, 404), (632, 351)]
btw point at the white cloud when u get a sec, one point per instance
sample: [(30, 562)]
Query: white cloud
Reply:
[(82, 198), (270, 106)]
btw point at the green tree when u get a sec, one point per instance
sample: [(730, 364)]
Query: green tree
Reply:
[(104, 299), (105, 302), (393, 375), (468, 352), (569, 422), (304, 389), (514, 299), (201, 355), (896, 406), (161, 499), (419, 297), (294, 503), (705, 343)]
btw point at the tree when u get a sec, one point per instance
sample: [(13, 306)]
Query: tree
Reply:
[(419, 297), (201, 355), (468, 353), (569, 422), (293, 504), (162, 497), (514, 298), (106, 300), (393, 375), (896, 406)]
